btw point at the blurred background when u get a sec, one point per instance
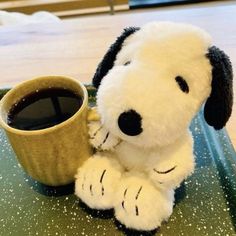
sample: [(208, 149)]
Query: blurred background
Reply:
[(72, 8)]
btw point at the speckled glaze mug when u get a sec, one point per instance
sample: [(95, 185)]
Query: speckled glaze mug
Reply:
[(51, 155)]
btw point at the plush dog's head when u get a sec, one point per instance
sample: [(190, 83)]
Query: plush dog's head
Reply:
[(153, 80)]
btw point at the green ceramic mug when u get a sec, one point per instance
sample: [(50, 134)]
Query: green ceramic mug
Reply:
[(51, 155)]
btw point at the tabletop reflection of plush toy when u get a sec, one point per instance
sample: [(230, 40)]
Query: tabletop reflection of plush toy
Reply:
[(151, 83)]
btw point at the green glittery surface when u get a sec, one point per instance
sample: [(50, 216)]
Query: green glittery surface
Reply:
[(205, 203)]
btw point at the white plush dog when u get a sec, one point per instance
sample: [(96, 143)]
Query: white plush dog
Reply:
[(151, 83)]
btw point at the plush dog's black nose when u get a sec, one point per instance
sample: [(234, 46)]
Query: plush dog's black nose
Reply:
[(130, 123)]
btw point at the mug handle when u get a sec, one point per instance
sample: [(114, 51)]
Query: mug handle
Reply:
[(93, 114)]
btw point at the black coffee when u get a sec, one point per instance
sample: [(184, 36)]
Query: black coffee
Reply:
[(44, 108)]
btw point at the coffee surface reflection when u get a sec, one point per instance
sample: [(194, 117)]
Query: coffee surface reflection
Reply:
[(44, 108)]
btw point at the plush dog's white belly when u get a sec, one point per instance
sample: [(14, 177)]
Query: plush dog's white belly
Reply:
[(132, 157)]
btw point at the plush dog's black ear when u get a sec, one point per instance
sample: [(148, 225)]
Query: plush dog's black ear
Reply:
[(108, 60), (218, 106)]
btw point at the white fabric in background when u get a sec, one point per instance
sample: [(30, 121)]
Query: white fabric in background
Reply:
[(15, 18)]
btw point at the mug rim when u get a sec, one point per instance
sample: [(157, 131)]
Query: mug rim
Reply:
[(54, 127)]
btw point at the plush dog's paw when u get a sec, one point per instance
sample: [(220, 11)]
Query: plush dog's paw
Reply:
[(100, 137), (96, 182), (139, 205)]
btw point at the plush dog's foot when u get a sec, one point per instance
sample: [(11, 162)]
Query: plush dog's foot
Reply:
[(139, 205), (100, 137), (96, 182)]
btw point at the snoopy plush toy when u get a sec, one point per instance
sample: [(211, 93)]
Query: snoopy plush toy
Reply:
[(151, 83)]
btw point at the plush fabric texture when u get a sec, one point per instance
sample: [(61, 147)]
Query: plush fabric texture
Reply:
[(150, 87), (108, 60), (158, 53), (218, 107)]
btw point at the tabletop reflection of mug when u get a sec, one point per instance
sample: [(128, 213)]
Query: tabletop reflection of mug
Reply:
[(45, 120)]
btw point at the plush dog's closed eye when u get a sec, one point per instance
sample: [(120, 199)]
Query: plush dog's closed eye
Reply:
[(127, 63), (182, 84)]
